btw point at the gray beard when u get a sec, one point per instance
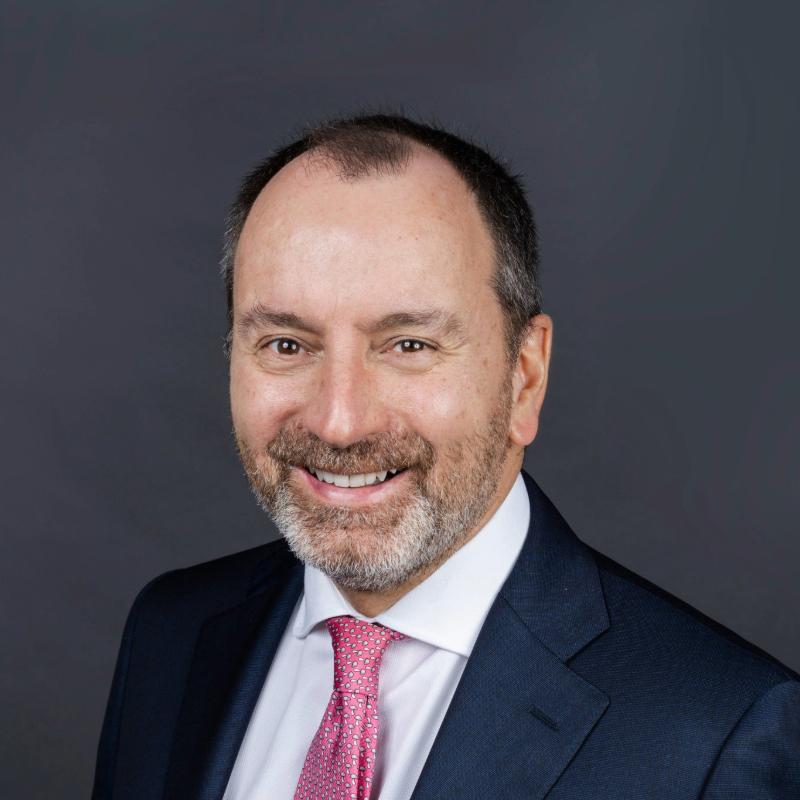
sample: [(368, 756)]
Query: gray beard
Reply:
[(379, 548), (422, 535)]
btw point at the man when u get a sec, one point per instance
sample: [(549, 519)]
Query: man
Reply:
[(429, 626)]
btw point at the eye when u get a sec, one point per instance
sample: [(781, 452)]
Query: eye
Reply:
[(410, 346), (285, 347)]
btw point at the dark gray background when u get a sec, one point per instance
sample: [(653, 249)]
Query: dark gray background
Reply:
[(659, 141)]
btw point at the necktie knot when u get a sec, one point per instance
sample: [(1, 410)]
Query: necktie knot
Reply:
[(358, 648)]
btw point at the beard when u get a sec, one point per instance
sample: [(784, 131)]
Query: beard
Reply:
[(383, 545)]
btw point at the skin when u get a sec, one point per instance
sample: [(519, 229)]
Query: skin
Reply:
[(342, 274)]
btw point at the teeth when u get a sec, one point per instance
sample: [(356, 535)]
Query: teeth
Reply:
[(365, 479)]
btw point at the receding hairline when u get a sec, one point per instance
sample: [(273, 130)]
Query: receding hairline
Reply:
[(460, 205), (324, 159), (389, 154), (312, 162), (444, 196)]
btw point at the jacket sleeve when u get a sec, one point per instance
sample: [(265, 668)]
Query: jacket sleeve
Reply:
[(110, 732), (761, 757)]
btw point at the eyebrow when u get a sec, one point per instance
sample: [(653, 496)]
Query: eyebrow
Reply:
[(442, 322), (259, 316)]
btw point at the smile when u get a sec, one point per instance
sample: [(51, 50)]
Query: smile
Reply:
[(353, 481)]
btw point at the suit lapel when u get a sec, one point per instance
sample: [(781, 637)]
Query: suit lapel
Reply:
[(232, 656), (517, 718), (520, 714)]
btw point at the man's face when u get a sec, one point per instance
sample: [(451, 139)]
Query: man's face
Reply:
[(368, 350)]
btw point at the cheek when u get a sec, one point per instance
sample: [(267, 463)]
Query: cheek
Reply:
[(443, 409), (260, 404)]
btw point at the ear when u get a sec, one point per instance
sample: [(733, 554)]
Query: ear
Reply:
[(529, 381)]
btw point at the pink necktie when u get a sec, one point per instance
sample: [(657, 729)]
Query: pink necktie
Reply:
[(341, 759)]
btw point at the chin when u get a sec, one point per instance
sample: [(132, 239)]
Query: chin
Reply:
[(371, 557)]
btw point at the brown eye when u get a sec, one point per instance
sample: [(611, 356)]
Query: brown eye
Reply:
[(285, 347), (410, 346)]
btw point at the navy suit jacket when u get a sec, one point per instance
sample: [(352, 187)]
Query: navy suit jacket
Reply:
[(585, 682)]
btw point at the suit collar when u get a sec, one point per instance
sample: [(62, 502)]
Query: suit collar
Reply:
[(232, 656), (554, 587), (520, 714)]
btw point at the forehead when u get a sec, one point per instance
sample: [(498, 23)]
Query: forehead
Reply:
[(367, 245)]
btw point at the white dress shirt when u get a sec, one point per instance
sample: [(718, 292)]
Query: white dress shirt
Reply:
[(418, 676)]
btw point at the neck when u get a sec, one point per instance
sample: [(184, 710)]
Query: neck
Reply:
[(370, 604)]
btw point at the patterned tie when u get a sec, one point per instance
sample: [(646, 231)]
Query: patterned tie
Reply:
[(341, 759)]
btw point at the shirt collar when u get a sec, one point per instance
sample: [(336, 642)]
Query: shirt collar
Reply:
[(447, 609)]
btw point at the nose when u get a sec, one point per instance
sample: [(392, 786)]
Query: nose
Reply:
[(345, 405)]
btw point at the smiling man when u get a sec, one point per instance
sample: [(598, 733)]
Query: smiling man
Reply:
[(428, 627)]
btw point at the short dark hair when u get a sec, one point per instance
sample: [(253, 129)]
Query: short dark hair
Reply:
[(365, 144)]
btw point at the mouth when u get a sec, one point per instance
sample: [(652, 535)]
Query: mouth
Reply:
[(355, 481)]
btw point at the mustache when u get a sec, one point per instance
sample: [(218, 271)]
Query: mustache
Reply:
[(296, 446)]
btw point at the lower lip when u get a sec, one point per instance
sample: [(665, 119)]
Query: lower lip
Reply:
[(343, 496)]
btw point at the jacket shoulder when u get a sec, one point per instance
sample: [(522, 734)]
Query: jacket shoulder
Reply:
[(217, 584), (678, 685), (639, 605)]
